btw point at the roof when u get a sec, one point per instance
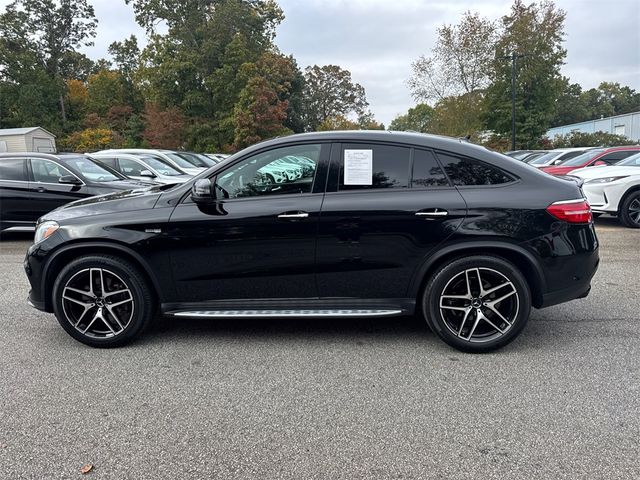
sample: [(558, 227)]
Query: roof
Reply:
[(22, 131)]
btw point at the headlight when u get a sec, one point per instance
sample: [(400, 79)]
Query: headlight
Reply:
[(44, 230), (606, 179)]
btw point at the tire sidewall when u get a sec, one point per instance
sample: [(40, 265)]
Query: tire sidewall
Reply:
[(624, 210), (143, 311), (435, 288)]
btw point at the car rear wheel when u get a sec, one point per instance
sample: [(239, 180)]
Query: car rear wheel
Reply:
[(102, 301), (630, 211), (477, 303)]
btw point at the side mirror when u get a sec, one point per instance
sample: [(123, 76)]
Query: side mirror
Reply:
[(599, 163), (147, 173), (202, 191), (69, 180)]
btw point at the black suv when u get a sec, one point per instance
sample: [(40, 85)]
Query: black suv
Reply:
[(339, 224), (32, 184)]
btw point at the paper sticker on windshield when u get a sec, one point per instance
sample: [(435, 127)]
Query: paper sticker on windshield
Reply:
[(358, 167)]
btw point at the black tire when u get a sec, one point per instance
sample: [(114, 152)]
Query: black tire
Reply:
[(629, 214), (515, 307), (120, 324)]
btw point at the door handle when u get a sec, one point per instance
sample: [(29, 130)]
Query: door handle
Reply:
[(294, 215), (434, 212), (41, 189)]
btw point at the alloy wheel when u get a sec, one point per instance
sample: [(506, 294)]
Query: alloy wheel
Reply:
[(98, 303), (479, 305), (634, 211)]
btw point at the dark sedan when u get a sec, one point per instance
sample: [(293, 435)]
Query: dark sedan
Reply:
[(32, 184)]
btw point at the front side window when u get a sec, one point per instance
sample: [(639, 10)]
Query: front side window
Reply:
[(614, 157), (366, 166), (130, 168), (47, 171), (13, 169), (162, 167), (463, 171), (92, 170), (281, 171)]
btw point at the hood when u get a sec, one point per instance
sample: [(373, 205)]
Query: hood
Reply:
[(115, 202), (606, 171)]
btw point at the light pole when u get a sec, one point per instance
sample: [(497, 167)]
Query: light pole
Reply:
[(514, 58)]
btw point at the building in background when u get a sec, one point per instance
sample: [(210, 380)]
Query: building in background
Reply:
[(30, 139), (627, 125)]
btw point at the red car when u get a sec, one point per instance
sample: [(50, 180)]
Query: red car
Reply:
[(594, 157)]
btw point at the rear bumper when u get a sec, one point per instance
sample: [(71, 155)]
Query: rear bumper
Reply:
[(577, 273)]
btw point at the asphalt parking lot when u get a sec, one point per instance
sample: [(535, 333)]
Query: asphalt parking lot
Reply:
[(379, 398)]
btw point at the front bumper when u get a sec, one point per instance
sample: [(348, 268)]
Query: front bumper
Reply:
[(604, 197)]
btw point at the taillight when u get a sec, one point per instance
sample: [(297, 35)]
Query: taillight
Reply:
[(572, 211)]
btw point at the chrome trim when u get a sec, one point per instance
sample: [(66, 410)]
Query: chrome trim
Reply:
[(293, 215), (564, 202), (288, 313), (432, 214)]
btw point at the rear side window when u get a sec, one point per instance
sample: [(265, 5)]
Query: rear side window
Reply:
[(426, 171), (466, 171), (390, 167), (129, 167), (13, 169)]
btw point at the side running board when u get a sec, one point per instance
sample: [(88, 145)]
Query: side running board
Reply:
[(326, 313)]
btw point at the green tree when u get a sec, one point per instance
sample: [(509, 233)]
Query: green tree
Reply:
[(459, 116), (105, 90), (330, 92), (596, 139), (459, 61), (417, 119), (536, 31), (42, 35)]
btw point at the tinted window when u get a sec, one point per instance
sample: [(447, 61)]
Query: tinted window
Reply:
[(583, 158), (569, 155), (615, 157), (390, 167), (286, 170), (13, 169), (47, 171), (426, 171), (109, 162), (466, 171)]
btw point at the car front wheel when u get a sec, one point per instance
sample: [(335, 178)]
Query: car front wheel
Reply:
[(102, 301), (630, 211), (477, 303)]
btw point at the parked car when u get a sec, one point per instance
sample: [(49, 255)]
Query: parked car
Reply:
[(614, 189), (524, 154), (198, 160), (142, 167), (32, 184), (170, 156), (594, 157), (217, 157), (385, 224), (557, 156)]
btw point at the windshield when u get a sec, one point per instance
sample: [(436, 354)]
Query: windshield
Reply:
[(92, 170), (582, 158), (161, 166), (181, 162), (544, 158), (632, 161), (196, 160)]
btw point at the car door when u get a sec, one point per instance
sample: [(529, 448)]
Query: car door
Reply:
[(258, 240), (378, 227), (47, 193), (15, 207)]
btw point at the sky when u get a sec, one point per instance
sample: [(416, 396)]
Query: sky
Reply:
[(377, 40)]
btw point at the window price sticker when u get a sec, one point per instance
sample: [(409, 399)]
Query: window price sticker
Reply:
[(358, 167)]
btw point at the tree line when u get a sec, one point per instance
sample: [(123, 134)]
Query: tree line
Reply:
[(212, 80), (464, 86)]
